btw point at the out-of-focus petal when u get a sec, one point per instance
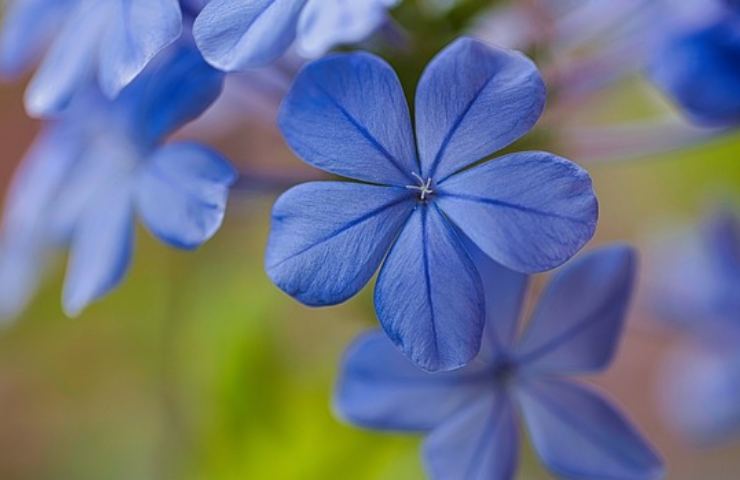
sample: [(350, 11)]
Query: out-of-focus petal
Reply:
[(380, 388), (529, 211), (473, 100), (242, 34), (347, 114), (429, 296), (578, 322), (480, 442), (328, 238), (181, 193), (579, 434)]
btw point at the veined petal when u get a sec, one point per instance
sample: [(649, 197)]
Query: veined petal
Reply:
[(579, 434), (473, 100), (101, 248), (578, 322), (480, 442), (70, 63), (429, 297), (181, 193), (346, 114), (242, 34), (138, 30), (529, 211), (380, 388), (328, 238)]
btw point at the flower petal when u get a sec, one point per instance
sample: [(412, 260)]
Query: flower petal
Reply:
[(171, 93), (328, 238), (429, 297), (70, 63), (347, 114), (101, 248), (481, 442), (473, 100), (380, 388), (579, 434), (242, 34), (579, 320), (181, 193), (138, 30), (529, 211)]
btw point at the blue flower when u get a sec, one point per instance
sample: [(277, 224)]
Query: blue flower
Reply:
[(347, 114), (242, 34), (101, 164), (699, 69), (111, 40), (470, 415)]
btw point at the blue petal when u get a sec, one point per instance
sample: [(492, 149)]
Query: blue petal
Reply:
[(170, 93), (242, 34), (700, 71), (480, 442), (327, 23), (504, 292), (473, 100), (529, 211), (328, 238), (347, 114), (578, 322), (722, 237), (27, 28), (138, 30), (579, 434), (380, 388), (70, 63), (181, 193), (429, 297), (101, 248)]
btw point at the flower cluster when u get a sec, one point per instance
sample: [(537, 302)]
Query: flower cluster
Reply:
[(452, 233)]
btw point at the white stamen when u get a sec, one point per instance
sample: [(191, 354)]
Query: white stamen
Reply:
[(424, 186)]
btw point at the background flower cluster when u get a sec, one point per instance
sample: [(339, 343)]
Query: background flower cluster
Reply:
[(534, 189)]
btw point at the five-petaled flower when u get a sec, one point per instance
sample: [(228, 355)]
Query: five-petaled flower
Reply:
[(242, 34), (470, 415), (530, 211), (111, 40), (101, 163)]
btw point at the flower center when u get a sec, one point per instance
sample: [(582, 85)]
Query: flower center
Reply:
[(424, 188)]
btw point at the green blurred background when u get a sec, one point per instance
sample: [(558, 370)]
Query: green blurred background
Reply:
[(199, 368)]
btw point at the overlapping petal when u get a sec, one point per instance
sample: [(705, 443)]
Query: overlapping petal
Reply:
[(181, 193), (380, 388), (571, 332), (579, 434), (347, 114), (101, 247), (138, 30), (242, 34), (471, 101), (328, 238), (480, 442), (529, 211), (435, 320)]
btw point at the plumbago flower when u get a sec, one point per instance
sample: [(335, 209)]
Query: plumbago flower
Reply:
[(243, 34), (111, 40), (346, 114), (699, 69), (101, 164), (470, 415), (700, 297)]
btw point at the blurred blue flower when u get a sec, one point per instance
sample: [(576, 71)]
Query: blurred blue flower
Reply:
[(111, 40), (242, 34), (700, 70), (347, 114), (470, 415), (100, 164)]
